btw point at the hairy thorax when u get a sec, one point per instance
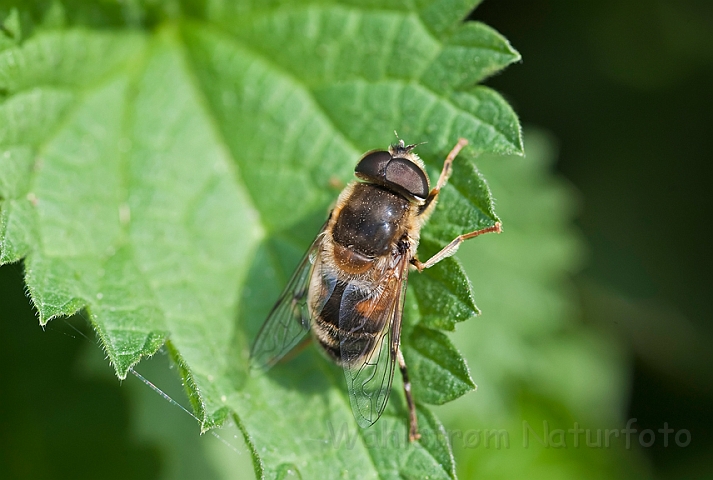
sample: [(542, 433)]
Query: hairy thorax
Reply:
[(367, 226)]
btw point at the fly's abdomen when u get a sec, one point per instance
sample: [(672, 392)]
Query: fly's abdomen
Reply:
[(344, 331)]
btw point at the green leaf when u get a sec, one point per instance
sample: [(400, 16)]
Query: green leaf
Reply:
[(443, 292), (326, 437), (439, 372), (431, 457), (167, 180), (473, 52), (10, 30)]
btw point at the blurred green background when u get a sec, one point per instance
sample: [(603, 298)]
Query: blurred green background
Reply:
[(625, 88), (595, 299)]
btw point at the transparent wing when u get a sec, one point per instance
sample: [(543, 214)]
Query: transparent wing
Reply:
[(289, 320), (370, 322)]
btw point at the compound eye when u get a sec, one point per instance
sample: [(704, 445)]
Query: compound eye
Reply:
[(373, 164), (407, 175)]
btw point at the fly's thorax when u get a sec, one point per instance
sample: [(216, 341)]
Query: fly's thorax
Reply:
[(368, 221)]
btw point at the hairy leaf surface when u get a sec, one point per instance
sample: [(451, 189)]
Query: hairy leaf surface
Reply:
[(166, 178)]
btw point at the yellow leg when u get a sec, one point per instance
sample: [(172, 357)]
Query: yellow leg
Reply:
[(452, 247)]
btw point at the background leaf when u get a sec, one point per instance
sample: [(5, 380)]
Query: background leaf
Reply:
[(539, 371), (174, 175)]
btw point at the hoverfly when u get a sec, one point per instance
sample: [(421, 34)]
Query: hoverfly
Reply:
[(349, 288)]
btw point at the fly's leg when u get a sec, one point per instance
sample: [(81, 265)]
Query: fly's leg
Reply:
[(445, 174), (413, 422), (430, 202), (448, 163), (452, 247)]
